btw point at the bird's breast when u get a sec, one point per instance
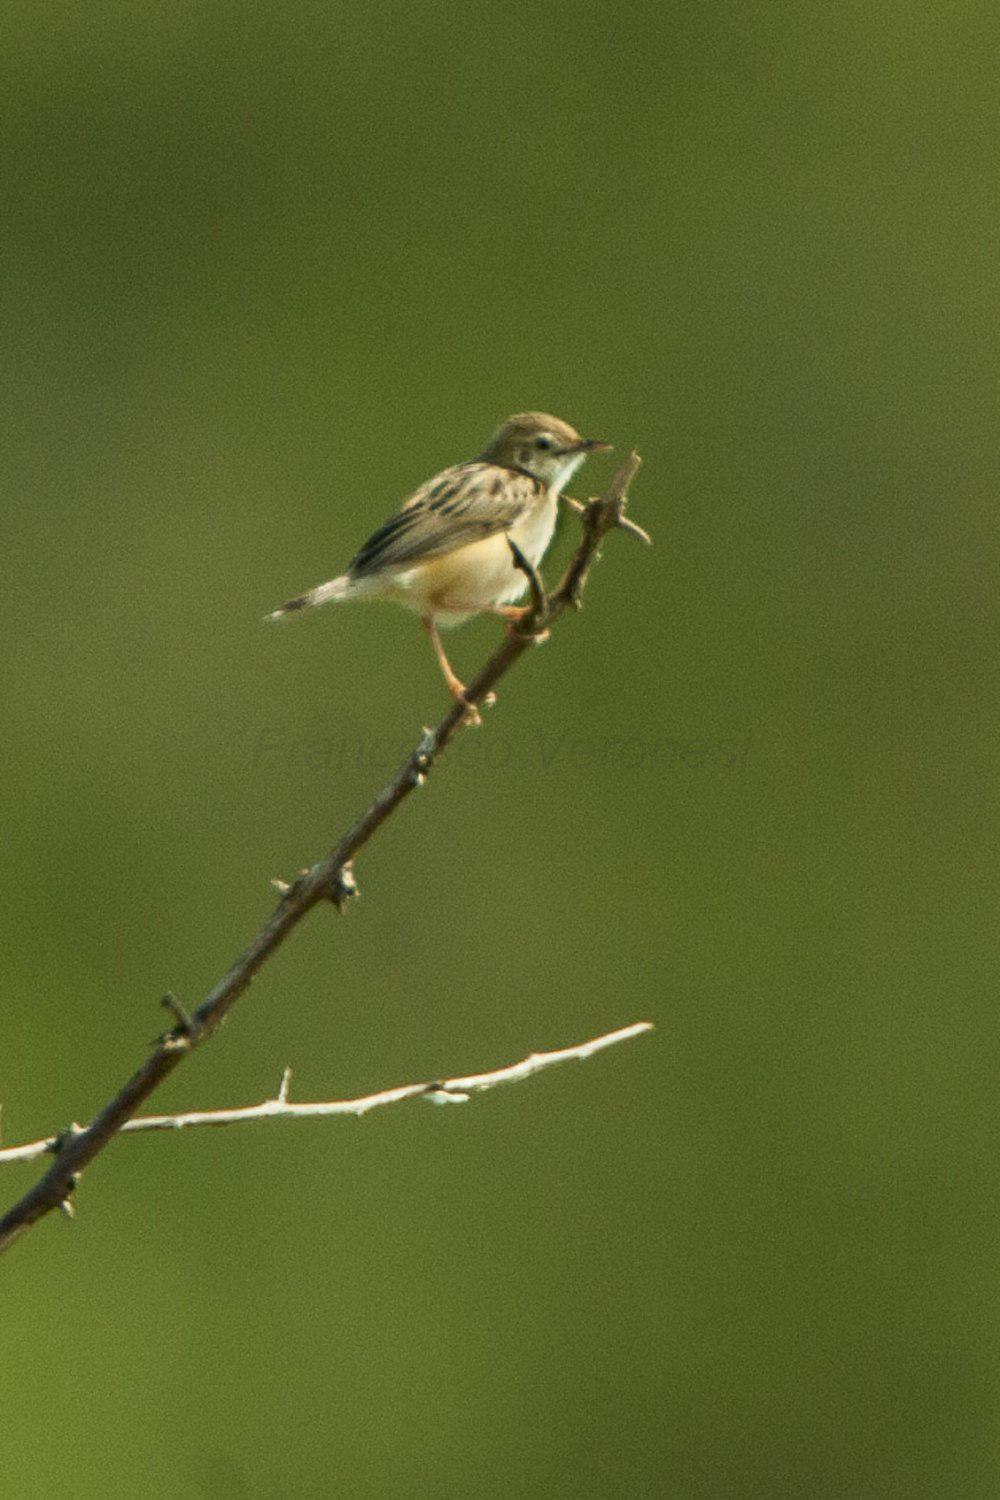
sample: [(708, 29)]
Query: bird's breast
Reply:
[(480, 575), (533, 532)]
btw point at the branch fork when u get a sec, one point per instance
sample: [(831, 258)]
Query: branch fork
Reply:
[(438, 1091)]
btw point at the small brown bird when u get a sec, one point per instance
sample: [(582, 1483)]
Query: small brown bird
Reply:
[(445, 553)]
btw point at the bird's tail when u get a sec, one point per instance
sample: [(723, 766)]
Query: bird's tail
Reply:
[(337, 588)]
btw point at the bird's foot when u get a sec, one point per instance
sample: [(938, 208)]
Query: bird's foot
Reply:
[(472, 716), (514, 616)]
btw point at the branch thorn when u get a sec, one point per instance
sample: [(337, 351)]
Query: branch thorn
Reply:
[(66, 1203), (423, 755), (185, 1027), (343, 885)]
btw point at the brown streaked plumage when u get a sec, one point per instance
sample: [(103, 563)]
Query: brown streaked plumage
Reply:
[(445, 552)]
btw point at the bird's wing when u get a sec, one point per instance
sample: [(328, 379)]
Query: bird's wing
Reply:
[(458, 506)]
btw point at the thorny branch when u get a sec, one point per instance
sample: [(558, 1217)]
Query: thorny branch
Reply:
[(329, 879), (437, 1091)]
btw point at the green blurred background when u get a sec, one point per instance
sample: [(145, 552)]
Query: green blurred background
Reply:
[(264, 270)]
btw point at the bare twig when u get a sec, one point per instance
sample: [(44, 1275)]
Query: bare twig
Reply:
[(535, 618), (625, 523), (329, 879), (438, 1091)]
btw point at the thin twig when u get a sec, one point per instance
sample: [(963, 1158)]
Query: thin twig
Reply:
[(535, 618), (438, 1091), (625, 523), (329, 879)]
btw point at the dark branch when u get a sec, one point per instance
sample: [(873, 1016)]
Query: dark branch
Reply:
[(536, 588), (330, 878)]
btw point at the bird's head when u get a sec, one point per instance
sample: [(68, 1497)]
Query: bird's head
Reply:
[(549, 449)]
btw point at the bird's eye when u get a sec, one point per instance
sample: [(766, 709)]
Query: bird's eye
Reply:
[(544, 443)]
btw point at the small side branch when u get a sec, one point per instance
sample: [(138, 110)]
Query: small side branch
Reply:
[(625, 523), (438, 1091), (536, 589)]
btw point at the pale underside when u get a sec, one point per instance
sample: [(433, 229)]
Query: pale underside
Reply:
[(479, 576), (446, 555)]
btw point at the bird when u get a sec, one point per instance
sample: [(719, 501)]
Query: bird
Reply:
[(446, 552)]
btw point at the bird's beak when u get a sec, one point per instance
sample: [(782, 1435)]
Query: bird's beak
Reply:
[(591, 445)]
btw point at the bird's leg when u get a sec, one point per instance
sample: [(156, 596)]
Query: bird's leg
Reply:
[(455, 686)]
